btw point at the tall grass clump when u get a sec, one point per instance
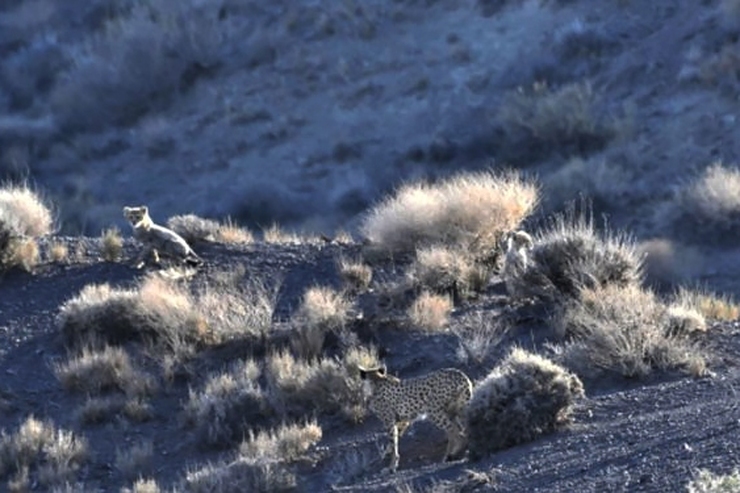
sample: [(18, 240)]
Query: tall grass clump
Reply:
[(322, 310), (706, 211), (469, 210), (38, 452), (570, 254), (24, 216), (627, 331), (708, 482), (229, 404), (524, 397)]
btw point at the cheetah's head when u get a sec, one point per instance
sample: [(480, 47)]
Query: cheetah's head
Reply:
[(518, 239), (377, 373), (135, 215)]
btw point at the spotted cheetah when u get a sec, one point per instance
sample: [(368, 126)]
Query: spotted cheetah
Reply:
[(516, 261), (157, 239), (440, 396)]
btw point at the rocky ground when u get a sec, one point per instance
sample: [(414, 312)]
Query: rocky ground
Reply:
[(648, 435)]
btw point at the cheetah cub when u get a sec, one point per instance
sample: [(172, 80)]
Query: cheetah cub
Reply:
[(440, 396), (157, 239), (516, 261)]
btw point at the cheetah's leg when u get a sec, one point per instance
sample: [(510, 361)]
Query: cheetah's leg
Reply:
[(454, 431), (395, 457), (141, 258)]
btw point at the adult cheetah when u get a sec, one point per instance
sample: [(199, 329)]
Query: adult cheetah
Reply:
[(440, 396), (516, 261)]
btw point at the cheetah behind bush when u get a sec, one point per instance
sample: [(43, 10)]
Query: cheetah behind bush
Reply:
[(440, 396)]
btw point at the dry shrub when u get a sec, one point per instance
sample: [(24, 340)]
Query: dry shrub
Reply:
[(470, 210), (194, 228), (139, 60), (706, 211), (143, 486), (524, 397), (322, 310), (112, 244), (569, 255), (135, 460), (355, 274), (197, 229), (239, 476), (97, 371), (447, 270), (627, 331), (569, 120), (98, 410), (710, 305), (667, 264), (23, 212), (22, 253), (24, 216), (430, 311), (262, 464), (297, 387), (707, 482), (229, 403), (53, 455), (58, 252), (287, 443), (158, 311)]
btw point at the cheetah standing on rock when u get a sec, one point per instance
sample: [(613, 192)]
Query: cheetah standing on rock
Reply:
[(158, 239), (440, 396)]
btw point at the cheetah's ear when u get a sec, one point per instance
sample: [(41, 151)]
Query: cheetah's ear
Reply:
[(363, 374), (144, 209), (382, 370)]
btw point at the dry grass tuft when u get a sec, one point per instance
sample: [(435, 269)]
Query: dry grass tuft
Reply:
[(284, 444), (322, 310), (430, 311), (112, 244), (136, 460), (277, 236), (229, 403), (470, 210), (98, 410), (706, 211), (478, 334), (98, 371), (710, 305), (707, 482), (447, 270), (58, 252), (628, 331), (524, 397), (21, 252), (54, 455), (231, 233), (355, 274), (569, 255), (143, 486)]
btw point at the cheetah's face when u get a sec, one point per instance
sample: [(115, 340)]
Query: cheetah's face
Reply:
[(134, 215)]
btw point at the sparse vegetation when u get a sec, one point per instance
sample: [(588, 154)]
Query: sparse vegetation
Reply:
[(229, 403), (710, 305), (112, 244), (569, 119), (135, 460), (707, 210), (143, 486), (58, 252), (478, 334), (628, 331), (470, 210), (97, 371), (430, 311), (285, 444), (38, 451), (524, 397)]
